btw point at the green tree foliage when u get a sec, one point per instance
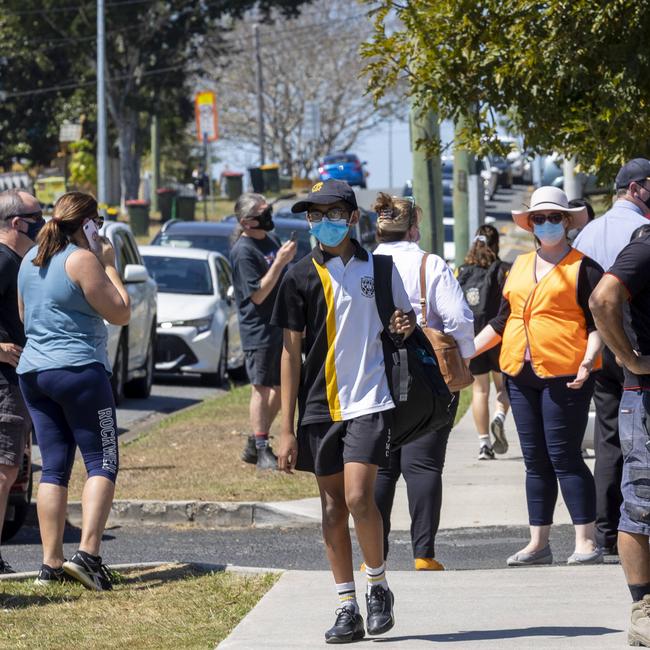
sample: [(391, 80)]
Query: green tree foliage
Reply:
[(48, 61), (571, 75)]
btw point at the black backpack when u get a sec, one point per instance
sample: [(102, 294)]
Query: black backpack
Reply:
[(480, 290), (418, 389)]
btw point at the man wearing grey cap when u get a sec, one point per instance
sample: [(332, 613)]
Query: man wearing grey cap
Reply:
[(602, 240)]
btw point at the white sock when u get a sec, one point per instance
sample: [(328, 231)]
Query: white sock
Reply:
[(376, 577), (484, 441), (347, 595)]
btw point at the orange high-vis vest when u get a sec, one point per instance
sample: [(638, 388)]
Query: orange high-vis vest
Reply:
[(545, 317)]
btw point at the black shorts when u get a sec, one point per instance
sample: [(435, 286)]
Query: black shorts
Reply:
[(324, 447), (486, 362), (263, 366)]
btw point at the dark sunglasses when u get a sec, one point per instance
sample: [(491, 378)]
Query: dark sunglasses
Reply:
[(540, 219), (27, 215)]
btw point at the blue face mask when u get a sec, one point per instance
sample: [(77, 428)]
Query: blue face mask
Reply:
[(330, 233), (550, 234)]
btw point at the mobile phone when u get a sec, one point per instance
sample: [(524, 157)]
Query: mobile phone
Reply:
[(92, 236), (293, 236)]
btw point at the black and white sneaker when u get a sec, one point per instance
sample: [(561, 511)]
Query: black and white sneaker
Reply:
[(266, 459), (486, 453), (5, 567), (89, 571), (380, 610), (348, 627), (500, 444), (49, 576)]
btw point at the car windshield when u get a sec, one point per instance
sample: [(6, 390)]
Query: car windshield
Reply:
[(214, 243), (337, 160), (180, 275)]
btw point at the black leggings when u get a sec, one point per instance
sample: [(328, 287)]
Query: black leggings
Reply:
[(421, 462), (551, 420)]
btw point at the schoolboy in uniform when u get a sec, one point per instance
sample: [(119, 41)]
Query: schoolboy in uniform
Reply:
[(344, 402)]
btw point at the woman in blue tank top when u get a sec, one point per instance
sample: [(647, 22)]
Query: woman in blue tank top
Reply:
[(65, 293)]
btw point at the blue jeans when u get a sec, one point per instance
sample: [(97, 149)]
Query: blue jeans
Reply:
[(551, 420), (634, 430)]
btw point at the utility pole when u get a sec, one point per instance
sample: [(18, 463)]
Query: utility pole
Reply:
[(462, 164), (155, 161), (102, 138), (390, 154), (427, 180), (260, 92), (572, 187)]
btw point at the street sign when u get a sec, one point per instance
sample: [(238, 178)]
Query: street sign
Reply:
[(205, 109), (311, 121), (69, 132)]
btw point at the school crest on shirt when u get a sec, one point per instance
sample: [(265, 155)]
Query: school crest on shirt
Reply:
[(368, 286), (473, 296)]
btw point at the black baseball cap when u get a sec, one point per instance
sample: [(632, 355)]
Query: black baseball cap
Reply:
[(326, 192), (636, 170)]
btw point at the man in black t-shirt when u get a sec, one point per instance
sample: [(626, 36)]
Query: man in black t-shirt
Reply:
[(628, 336), (258, 263), (20, 220)]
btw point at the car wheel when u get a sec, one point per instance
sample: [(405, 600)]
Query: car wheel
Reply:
[(21, 510), (120, 370), (141, 386), (218, 378)]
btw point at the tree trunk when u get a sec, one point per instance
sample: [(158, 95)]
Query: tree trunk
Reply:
[(127, 127)]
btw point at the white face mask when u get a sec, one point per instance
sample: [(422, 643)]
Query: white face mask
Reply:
[(573, 233)]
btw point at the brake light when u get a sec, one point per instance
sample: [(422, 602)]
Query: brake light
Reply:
[(357, 166), (321, 170)]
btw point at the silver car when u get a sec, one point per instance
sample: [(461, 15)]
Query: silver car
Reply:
[(131, 347)]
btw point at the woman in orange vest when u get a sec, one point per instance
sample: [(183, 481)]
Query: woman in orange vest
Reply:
[(549, 350)]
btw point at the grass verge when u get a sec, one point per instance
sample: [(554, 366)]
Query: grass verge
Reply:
[(172, 606), (195, 454)]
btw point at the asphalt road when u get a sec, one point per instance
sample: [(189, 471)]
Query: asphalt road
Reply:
[(291, 548)]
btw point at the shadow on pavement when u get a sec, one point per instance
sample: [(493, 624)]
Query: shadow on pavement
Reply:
[(493, 635)]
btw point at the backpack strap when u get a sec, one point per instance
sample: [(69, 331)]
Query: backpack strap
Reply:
[(383, 271), (423, 290)]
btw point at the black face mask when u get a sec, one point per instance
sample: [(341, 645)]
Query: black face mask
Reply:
[(33, 228), (647, 201), (265, 220)]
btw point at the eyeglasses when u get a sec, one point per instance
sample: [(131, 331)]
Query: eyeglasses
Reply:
[(333, 214), (541, 219)]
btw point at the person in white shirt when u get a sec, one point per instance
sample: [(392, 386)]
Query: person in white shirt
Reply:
[(420, 462)]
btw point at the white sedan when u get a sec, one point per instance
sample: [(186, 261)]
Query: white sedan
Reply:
[(198, 328)]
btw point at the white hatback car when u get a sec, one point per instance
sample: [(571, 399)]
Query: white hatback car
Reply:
[(131, 347), (198, 326)]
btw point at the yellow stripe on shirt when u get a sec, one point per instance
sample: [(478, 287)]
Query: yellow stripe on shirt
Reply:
[(332, 388)]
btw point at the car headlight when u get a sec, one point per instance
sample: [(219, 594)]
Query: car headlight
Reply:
[(201, 324)]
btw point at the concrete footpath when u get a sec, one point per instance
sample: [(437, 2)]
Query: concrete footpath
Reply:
[(546, 607)]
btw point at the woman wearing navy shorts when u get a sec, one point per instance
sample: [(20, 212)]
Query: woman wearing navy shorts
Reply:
[(65, 293)]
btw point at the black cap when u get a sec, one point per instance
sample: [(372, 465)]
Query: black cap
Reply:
[(326, 192), (637, 170)]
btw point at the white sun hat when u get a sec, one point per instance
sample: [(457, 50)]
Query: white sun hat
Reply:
[(550, 198)]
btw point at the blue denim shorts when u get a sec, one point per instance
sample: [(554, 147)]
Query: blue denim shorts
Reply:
[(634, 431)]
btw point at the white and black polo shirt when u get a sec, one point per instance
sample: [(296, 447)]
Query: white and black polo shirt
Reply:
[(343, 376)]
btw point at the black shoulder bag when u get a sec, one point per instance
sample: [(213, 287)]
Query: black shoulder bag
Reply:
[(421, 396)]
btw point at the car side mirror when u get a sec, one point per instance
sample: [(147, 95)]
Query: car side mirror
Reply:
[(135, 273)]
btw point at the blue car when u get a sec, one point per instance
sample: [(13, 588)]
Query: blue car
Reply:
[(343, 167)]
